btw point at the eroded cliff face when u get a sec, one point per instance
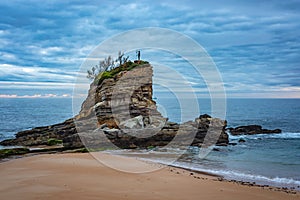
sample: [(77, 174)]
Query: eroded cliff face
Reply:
[(127, 95), (119, 110)]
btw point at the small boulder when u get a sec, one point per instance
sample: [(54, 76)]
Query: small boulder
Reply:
[(133, 123), (242, 140)]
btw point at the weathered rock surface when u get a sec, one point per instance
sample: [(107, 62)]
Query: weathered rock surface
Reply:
[(127, 95), (41, 135), (121, 111), (173, 134), (251, 130)]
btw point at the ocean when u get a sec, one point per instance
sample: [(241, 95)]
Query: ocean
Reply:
[(268, 159), (17, 114)]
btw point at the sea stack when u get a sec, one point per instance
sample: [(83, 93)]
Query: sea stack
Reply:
[(119, 105)]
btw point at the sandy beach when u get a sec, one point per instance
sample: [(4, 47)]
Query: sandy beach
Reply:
[(81, 176)]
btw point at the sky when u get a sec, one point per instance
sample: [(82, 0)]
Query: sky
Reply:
[(254, 44)]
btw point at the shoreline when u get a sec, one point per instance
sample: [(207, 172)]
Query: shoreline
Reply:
[(221, 178), (255, 182), (44, 150), (44, 170), (243, 182)]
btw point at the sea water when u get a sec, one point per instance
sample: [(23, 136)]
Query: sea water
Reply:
[(269, 159), (272, 159), (18, 114)]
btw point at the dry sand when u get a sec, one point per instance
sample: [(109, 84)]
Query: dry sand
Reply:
[(80, 176)]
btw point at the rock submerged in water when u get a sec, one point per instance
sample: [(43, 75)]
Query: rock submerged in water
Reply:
[(242, 140), (251, 130)]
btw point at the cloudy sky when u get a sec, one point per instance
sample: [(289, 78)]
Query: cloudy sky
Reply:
[(255, 44)]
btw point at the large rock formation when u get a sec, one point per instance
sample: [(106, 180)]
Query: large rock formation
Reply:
[(119, 110), (128, 94)]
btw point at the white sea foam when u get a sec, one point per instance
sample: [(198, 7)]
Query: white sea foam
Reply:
[(239, 176), (285, 135), (164, 156)]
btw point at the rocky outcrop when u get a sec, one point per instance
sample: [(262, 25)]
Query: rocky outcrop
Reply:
[(41, 135), (251, 130), (119, 110), (172, 134)]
